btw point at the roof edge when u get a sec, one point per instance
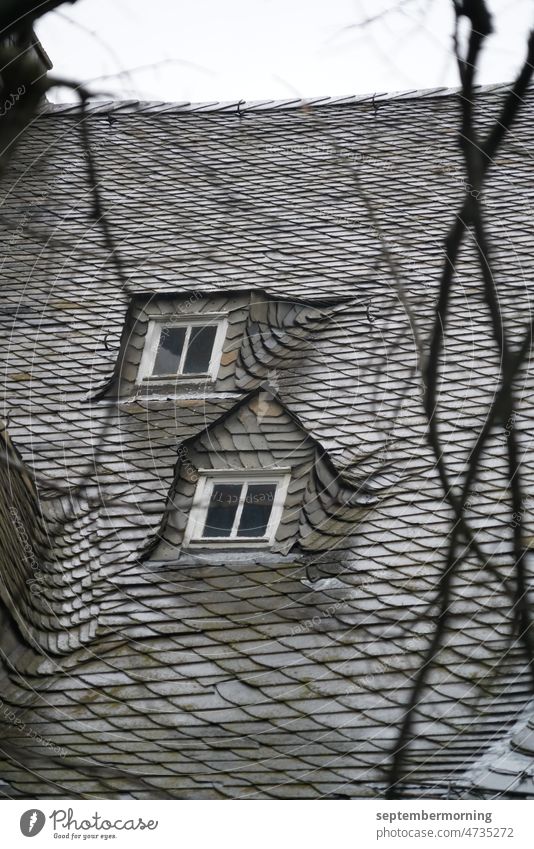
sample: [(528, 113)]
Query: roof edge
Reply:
[(239, 107)]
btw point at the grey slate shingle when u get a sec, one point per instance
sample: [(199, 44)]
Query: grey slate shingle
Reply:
[(265, 676)]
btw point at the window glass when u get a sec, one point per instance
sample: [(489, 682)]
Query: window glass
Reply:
[(257, 508), (222, 509), (237, 508), (197, 359), (186, 349), (171, 344)]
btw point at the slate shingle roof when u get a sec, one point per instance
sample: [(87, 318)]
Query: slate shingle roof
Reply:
[(258, 675)]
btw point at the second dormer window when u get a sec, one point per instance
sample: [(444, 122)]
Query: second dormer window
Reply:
[(237, 508), (186, 348)]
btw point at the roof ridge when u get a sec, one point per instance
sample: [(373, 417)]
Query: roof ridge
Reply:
[(241, 106)]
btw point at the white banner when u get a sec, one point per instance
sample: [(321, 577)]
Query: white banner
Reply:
[(251, 825)]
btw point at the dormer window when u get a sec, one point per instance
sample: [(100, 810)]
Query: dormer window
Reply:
[(185, 348), (237, 508)]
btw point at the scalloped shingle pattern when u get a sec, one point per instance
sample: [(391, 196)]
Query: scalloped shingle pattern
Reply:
[(265, 675)]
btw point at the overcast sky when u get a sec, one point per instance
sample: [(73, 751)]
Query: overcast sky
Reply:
[(206, 50)]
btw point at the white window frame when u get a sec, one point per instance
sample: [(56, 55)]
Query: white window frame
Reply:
[(208, 478), (152, 340)]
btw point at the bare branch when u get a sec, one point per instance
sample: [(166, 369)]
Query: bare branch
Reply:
[(16, 15)]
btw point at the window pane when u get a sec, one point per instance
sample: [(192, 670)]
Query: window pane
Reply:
[(171, 343), (199, 350), (223, 506), (256, 510)]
